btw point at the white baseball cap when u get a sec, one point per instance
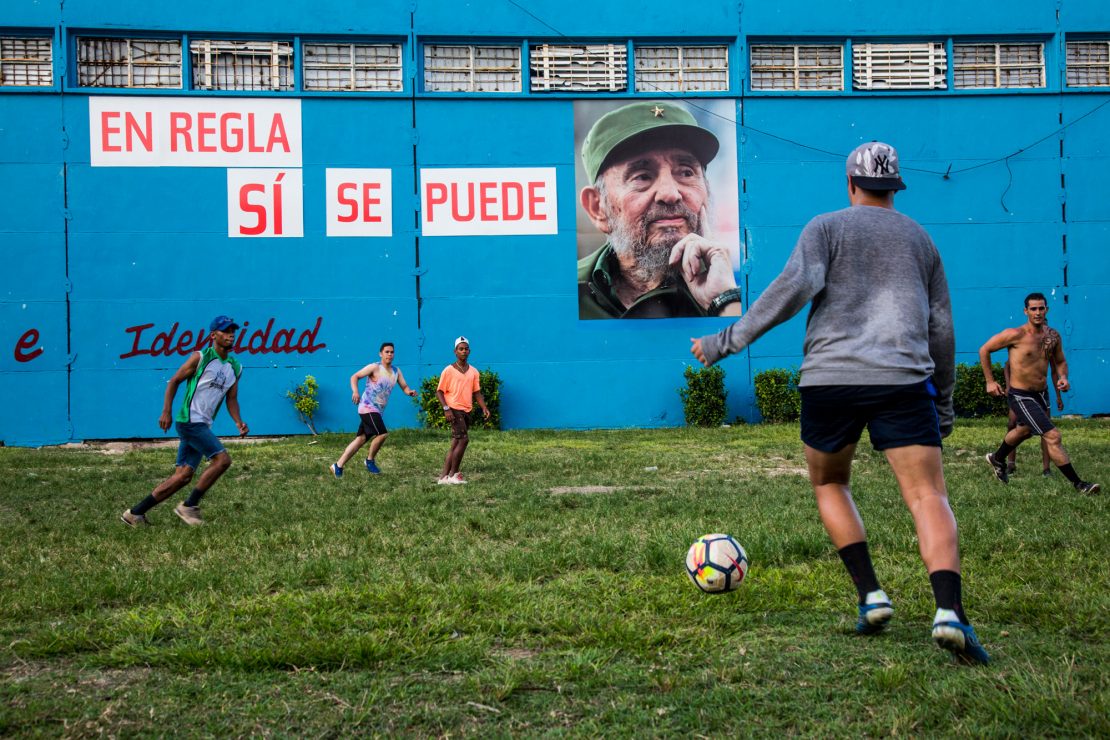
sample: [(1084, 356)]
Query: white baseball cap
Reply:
[(461, 340)]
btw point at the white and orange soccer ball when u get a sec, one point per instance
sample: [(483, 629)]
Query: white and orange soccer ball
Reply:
[(716, 563)]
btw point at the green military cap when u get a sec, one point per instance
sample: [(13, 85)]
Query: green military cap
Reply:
[(638, 125)]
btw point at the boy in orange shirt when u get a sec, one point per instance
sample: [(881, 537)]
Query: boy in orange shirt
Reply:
[(457, 390)]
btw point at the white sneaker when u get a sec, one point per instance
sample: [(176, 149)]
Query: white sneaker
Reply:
[(189, 514), (456, 480), (445, 480)]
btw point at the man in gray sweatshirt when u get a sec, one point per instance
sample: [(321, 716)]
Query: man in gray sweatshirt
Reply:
[(879, 352)]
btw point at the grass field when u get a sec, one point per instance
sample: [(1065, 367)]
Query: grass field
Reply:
[(547, 596)]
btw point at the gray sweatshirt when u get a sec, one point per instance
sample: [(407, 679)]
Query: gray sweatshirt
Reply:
[(880, 312)]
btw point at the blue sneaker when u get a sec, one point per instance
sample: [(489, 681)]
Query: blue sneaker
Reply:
[(958, 638), (336, 470), (372, 466), (874, 613)]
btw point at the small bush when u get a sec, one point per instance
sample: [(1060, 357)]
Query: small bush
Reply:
[(431, 412), (969, 395), (305, 401), (777, 396), (703, 398)]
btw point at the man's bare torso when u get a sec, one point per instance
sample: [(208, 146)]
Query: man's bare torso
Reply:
[(1029, 357)]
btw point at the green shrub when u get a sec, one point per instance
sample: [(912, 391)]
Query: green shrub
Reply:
[(305, 401), (777, 396), (969, 395), (431, 412), (703, 398)]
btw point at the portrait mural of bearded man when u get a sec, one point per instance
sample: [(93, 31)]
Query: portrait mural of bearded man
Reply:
[(658, 233)]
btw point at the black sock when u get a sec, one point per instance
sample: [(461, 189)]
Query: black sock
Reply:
[(1070, 474), (857, 560), (947, 592), (144, 506), (194, 497), (1003, 451)]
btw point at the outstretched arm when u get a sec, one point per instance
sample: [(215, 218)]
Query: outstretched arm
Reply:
[(1060, 368), (404, 386), (1056, 386), (183, 373), (999, 341), (365, 372), (801, 279), (233, 409)]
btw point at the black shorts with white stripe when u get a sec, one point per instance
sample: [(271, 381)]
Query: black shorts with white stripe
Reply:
[(1031, 409), (372, 425)]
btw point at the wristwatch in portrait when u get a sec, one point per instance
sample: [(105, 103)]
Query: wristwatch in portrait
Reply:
[(446, 408), (732, 295)]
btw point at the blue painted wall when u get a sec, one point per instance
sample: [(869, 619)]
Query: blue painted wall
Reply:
[(89, 252)]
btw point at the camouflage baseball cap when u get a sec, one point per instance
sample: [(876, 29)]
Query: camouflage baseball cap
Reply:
[(638, 126), (874, 166)]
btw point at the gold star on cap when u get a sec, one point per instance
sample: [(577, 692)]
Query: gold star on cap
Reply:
[(657, 112)]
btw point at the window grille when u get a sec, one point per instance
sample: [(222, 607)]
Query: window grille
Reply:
[(1088, 63), (116, 62), (681, 68), (26, 62), (352, 67), (579, 67), (914, 66), (797, 67), (472, 68), (997, 65), (242, 65)]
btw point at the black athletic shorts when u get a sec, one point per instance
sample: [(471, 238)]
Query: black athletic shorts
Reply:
[(371, 425), (1031, 409), (833, 416)]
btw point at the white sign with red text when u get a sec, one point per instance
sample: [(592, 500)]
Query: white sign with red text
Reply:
[(488, 202), (359, 202), (194, 132), (265, 203)]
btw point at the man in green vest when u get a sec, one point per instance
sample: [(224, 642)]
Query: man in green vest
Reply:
[(211, 375), (649, 196)]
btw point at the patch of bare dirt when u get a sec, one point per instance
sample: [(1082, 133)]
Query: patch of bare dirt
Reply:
[(123, 446), (585, 489)]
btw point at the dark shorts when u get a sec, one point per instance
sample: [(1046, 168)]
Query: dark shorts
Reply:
[(833, 416), (1031, 409), (460, 424), (197, 440), (372, 425)]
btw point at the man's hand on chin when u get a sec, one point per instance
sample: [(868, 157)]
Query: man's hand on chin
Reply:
[(705, 267)]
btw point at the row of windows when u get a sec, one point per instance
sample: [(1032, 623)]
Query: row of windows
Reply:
[(268, 65), (920, 66)]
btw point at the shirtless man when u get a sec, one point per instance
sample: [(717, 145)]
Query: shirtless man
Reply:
[(1032, 348)]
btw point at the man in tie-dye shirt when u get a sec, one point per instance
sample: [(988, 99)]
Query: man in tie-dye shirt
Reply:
[(380, 379)]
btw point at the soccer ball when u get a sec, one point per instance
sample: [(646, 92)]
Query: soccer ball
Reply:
[(716, 563)]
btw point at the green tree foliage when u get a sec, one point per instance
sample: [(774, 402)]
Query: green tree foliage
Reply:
[(305, 401), (969, 396), (777, 396), (703, 397), (431, 412)]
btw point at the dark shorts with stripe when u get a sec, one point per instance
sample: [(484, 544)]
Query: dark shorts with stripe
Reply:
[(833, 416), (372, 425), (1031, 409)]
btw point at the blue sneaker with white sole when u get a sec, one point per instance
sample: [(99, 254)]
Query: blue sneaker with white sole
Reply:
[(336, 470), (874, 613), (958, 638), (372, 467)]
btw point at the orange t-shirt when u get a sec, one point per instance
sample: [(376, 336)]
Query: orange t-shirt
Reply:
[(459, 388)]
